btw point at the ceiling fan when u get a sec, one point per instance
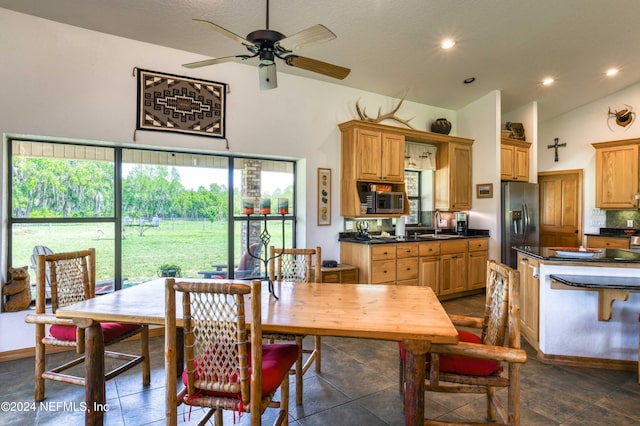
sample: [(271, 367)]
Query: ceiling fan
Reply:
[(269, 44)]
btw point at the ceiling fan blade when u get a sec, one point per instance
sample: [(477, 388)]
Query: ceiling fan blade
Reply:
[(225, 32), (320, 67), (315, 34), (213, 61)]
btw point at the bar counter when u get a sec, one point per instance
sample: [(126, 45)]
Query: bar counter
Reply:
[(581, 321)]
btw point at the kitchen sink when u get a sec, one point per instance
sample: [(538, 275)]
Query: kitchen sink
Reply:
[(437, 237)]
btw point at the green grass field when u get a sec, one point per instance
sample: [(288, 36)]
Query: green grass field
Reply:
[(192, 245)]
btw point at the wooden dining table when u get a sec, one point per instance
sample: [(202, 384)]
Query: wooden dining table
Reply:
[(408, 314)]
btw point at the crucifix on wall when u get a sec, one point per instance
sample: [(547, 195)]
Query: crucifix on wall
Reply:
[(556, 145)]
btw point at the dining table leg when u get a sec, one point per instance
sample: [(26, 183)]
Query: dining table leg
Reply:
[(94, 382), (414, 382)]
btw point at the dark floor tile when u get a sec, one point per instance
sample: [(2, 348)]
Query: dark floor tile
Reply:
[(348, 414), (358, 384)]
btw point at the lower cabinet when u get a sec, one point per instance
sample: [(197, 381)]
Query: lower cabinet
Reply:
[(454, 267), (477, 262), (407, 270), (528, 267), (453, 273), (596, 241), (345, 274), (449, 267), (430, 272)]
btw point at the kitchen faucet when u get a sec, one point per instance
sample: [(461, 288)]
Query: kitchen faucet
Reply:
[(436, 222)]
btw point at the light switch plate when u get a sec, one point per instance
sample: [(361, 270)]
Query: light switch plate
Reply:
[(630, 223)]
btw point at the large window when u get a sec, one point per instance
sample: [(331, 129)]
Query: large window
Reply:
[(143, 210)]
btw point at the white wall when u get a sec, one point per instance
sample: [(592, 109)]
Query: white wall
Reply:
[(579, 129), (67, 82), (480, 121)]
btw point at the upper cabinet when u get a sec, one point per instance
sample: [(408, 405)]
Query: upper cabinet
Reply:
[(617, 164), (514, 160), (380, 156), (374, 153), (453, 177)]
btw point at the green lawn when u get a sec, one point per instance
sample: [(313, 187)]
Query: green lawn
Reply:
[(193, 245)]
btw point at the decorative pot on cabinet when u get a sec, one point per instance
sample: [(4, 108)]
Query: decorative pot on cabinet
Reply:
[(441, 125)]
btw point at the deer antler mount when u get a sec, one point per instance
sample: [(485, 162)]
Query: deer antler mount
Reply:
[(388, 116), (624, 117)]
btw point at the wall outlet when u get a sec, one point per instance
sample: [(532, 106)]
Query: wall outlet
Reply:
[(379, 222), (630, 223), (349, 225)]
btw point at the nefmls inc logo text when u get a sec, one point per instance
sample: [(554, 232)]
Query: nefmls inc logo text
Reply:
[(72, 406)]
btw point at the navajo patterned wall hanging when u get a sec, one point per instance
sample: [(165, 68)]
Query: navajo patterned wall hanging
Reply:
[(173, 103)]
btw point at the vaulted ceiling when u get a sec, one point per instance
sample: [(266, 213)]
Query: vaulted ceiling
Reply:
[(393, 47)]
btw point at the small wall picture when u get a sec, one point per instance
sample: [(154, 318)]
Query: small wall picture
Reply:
[(484, 190), (324, 197)]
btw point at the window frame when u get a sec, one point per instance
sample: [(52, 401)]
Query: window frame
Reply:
[(116, 219)]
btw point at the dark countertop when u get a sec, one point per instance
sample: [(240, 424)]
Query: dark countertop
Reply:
[(614, 232), (606, 255), (590, 281), (352, 237)]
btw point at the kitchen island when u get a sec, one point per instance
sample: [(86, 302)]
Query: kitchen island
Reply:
[(580, 321)]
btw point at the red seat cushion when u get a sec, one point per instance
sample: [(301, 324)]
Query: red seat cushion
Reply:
[(277, 360), (110, 331), (462, 364)]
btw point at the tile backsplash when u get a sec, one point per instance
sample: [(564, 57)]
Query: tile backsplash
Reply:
[(619, 218)]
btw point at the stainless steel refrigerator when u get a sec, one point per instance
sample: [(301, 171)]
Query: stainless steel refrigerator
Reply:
[(520, 219)]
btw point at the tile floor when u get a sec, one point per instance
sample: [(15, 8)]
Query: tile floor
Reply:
[(358, 385)]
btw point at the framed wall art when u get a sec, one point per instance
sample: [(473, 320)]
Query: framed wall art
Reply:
[(324, 197), (173, 103), (484, 190)]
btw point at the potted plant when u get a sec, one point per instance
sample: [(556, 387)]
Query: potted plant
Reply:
[(169, 270)]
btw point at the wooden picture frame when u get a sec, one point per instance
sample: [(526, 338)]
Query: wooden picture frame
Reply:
[(484, 190), (324, 197)]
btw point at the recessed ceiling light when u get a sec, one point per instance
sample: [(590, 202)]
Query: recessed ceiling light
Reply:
[(447, 43), (469, 80), (612, 71), (547, 81)]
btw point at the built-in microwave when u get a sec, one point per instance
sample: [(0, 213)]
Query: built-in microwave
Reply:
[(383, 202)]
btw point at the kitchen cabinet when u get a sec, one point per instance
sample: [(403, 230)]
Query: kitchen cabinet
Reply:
[(477, 262), (617, 164), (597, 241), (514, 160), (407, 270), (393, 263), (528, 267), (345, 274), (369, 155), (380, 156), (376, 263), (453, 177), (453, 267), (372, 153)]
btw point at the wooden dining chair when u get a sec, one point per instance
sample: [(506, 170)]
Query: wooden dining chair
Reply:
[(474, 365), (298, 265), (224, 370), (71, 277)]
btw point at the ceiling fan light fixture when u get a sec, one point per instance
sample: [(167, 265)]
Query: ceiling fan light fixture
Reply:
[(268, 76)]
